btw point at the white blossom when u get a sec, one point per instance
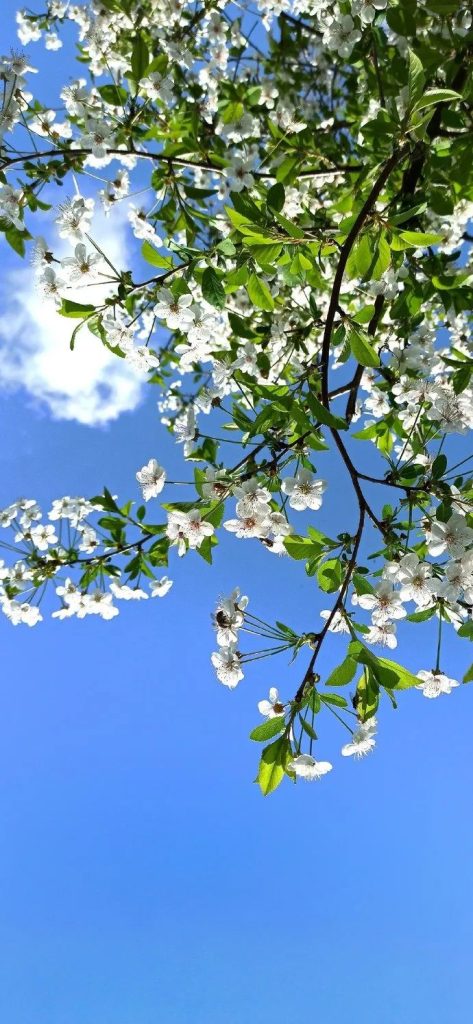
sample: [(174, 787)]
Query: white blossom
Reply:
[(151, 479), (306, 767), (385, 603), (271, 708), (159, 588), (127, 593), (362, 741), (43, 536), (435, 683), (453, 536), (227, 665), (304, 491), (176, 312)]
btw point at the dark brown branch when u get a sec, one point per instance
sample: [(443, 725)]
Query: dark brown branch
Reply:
[(345, 251), (350, 568)]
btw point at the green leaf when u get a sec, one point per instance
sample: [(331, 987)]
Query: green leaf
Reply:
[(381, 257), (360, 258), (259, 293), (113, 94), (439, 466), (422, 616), (466, 630), (139, 58), (226, 247), (286, 629), (361, 584), (434, 96), (212, 288), (317, 535), (205, 548), (150, 254), (416, 79), (308, 728), (268, 729), (330, 575), (314, 701), (75, 309), (388, 673), (16, 239), (343, 674), (468, 677), (107, 502), (74, 334), (273, 762), (247, 207), (323, 415), (367, 696), (419, 239), (301, 547), (214, 514), (334, 698), (276, 197), (238, 219), (361, 348), (413, 211), (265, 255), (293, 230), (442, 6), (109, 523), (370, 257)]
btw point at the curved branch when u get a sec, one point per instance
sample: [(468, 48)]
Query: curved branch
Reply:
[(345, 251)]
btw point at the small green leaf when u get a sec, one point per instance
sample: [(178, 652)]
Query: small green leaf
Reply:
[(205, 548), (362, 349), (334, 698), (308, 728), (468, 677), (416, 79), (301, 547), (226, 247), (439, 466), (16, 239), (330, 575), (419, 239), (343, 674), (422, 616), (276, 197), (393, 676), (75, 309), (212, 288), (150, 254), (434, 96), (113, 94), (466, 630), (268, 729), (367, 696), (323, 415), (360, 258), (74, 334), (139, 58), (273, 762), (314, 701), (413, 211), (286, 629), (259, 293)]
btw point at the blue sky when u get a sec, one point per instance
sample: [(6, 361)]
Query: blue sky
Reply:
[(142, 876)]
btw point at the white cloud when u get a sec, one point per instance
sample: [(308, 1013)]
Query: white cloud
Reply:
[(89, 385)]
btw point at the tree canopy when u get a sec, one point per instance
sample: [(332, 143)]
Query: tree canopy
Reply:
[(298, 179)]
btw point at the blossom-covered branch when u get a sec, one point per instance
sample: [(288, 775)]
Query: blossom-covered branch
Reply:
[(297, 175)]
